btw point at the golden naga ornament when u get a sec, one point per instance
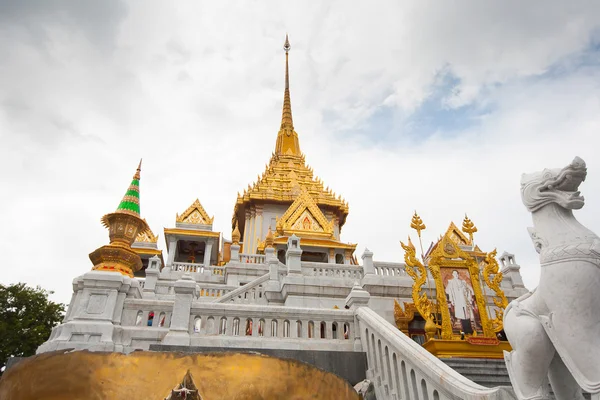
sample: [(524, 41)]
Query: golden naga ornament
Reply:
[(417, 271), (500, 301)]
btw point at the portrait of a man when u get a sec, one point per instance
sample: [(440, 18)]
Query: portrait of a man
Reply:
[(461, 300)]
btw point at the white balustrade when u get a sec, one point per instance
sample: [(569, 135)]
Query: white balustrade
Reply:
[(332, 270), (197, 268), (142, 282), (252, 258), (149, 314), (401, 369), (272, 322), (390, 270), (212, 291)]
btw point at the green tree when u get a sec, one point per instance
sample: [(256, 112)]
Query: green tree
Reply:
[(26, 320)]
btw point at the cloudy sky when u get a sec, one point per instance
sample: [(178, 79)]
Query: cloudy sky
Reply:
[(434, 106)]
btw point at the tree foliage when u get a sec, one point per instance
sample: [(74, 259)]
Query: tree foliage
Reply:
[(26, 320)]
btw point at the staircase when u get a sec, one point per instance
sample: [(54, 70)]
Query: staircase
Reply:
[(486, 372)]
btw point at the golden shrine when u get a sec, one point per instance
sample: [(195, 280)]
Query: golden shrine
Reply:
[(450, 315)]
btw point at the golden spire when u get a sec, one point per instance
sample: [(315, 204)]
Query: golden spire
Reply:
[(269, 238), (235, 235), (287, 138)]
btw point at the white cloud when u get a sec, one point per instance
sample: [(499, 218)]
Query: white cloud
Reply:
[(196, 90)]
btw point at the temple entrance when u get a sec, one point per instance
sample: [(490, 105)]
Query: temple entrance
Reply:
[(314, 257)]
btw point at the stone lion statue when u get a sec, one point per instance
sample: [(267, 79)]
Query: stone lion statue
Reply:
[(555, 330)]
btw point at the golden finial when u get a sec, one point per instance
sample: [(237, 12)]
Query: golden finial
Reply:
[(138, 171), (235, 235), (469, 227), (417, 224), (286, 45), (269, 239)]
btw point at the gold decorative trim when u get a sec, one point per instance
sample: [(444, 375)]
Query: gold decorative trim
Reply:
[(194, 214), (146, 236), (303, 217)]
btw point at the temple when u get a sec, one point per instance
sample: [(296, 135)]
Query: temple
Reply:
[(285, 284)]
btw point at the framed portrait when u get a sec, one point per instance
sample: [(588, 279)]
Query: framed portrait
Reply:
[(461, 300)]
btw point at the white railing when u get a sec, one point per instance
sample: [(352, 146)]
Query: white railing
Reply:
[(150, 314), (212, 291), (197, 268), (332, 270), (401, 369), (252, 258), (252, 292), (390, 269), (271, 322)]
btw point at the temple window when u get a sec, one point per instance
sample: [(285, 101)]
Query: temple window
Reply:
[(311, 329), (161, 319), (281, 256), (286, 328), (346, 330), (339, 259), (334, 330), (197, 324), (248, 327), (274, 328), (323, 329)]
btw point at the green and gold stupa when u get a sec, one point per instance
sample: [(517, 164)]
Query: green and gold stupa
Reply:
[(123, 225)]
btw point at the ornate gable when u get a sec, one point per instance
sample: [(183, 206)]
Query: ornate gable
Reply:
[(147, 236), (454, 234), (195, 214), (304, 217)]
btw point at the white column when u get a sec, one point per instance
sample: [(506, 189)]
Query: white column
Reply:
[(172, 250), (207, 253), (259, 222)]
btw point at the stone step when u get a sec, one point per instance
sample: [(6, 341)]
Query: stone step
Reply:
[(485, 372)]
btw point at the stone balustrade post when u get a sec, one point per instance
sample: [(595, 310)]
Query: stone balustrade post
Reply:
[(358, 297), (185, 290), (152, 273), (235, 252), (293, 255), (367, 258)]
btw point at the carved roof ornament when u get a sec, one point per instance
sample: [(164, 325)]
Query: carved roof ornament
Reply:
[(186, 390), (305, 218), (469, 228), (287, 172), (195, 214), (147, 237)]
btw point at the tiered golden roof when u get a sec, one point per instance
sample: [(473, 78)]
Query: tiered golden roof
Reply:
[(287, 174)]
